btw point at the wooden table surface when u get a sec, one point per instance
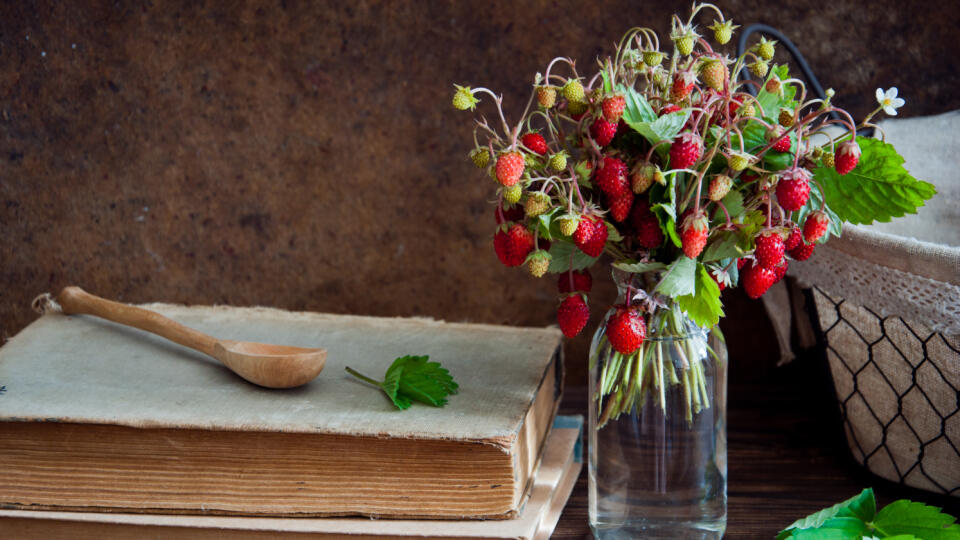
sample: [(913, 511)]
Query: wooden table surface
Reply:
[(787, 455)]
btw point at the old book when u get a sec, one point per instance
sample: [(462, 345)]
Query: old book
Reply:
[(100, 417), (553, 483)]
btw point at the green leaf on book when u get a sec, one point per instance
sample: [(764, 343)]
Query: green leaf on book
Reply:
[(918, 519), (414, 378), (878, 189), (703, 305)]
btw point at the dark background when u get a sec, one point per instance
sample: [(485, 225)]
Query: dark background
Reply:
[(305, 155)]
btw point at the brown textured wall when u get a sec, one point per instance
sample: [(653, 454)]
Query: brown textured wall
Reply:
[(304, 154)]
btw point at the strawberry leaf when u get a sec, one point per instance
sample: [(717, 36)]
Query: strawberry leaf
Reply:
[(838, 528), (640, 267), (414, 378), (666, 211), (862, 506), (680, 278), (662, 129), (637, 108), (703, 305), (878, 189), (560, 258), (772, 103), (724, 246), (918, 519)]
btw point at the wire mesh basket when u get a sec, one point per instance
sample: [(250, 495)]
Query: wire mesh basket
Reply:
[(888, 302)]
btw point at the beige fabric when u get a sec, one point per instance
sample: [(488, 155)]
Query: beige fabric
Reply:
[(83, 369)]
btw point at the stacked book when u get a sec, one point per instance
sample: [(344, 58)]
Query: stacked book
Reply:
[(108, 432)]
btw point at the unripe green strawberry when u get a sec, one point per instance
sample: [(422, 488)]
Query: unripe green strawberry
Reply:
[(684, 42), (713, 73), (546, 96), (765, 48), (536, 204), (641, 177), (463, 98), (723, 31), (747, 111), (512, 194), (573, 91), (558, 161), (652, 58), (738, 161), (759, 68), (719, 187), (480, 157), (829, 160), (538, 262), (576, 108), (568, 224), (786, 118)]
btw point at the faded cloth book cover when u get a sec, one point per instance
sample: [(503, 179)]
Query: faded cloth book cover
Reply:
[(101, 417)]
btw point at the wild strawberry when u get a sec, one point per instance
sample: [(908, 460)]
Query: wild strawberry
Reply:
[(780, 270), (546, 96), (463, 98), (759, 68), (741, 263), (738, 161), (480, 157), (568, 224), (641, 177), (611, 177), (769, 250), (757, 279), (685, 150), (793, 189), (669, 108), (558, 161), (802, 252), (535, 142), (773, 86), (573, 91), (603, 131), (652, 58), (575, 281), (719, 187), (591, 235), (510, 214), (714, 74), (765, 49), (572, 315), (682, 86), (722, 31), (815, 226), (649, 234), (510, 167), (538, 262), (684, 38), (693, 234), (514, 245), (829, 160), (794, 239), (620, 206), (512, 194), (613, 108), (786, 118), (536, 204), (782, 143), (626, 330), (577, 109), (848, 155)]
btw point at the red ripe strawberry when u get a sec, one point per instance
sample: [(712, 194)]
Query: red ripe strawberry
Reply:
[(757, 279), (613, 108), (510, 168), (611, 177), (794, 239), (783, 141), (793, 189), (572, 315), (591, 235), (649, 234), (769, 251), (576, 281), (640, 210), (802, 252), (734, 106), (514, 245), (626, 330), (741, 263), (847, 157), (514, 213), (693, 234), (603, 131), (815, 226), (535, 142), (780, 270), (669, 108), (682, 85), (620, 206), (685, 151)]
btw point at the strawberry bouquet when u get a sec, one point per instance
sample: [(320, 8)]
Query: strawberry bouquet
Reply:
[(691, 177)]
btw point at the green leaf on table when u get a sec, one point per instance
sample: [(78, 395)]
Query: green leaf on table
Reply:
[(560, 258), (878, 189), (703, 305), (859, 506), (918, 519), (838, 528), (680, 278), (664, 128), (637, 108), (723, 246), (639, 267), (414, 378)]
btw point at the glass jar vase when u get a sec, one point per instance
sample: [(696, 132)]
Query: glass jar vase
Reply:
[(657, 426)]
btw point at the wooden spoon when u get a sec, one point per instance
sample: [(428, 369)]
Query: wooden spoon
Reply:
[(273, 366)]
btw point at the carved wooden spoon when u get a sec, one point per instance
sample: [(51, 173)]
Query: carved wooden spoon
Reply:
[(273, 366)]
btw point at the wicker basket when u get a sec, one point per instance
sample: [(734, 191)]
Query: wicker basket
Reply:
[(888, 302)]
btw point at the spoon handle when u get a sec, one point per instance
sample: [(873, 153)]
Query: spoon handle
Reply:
[(74, 300)]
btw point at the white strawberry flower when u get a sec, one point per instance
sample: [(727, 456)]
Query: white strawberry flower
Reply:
[(889, 101)]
